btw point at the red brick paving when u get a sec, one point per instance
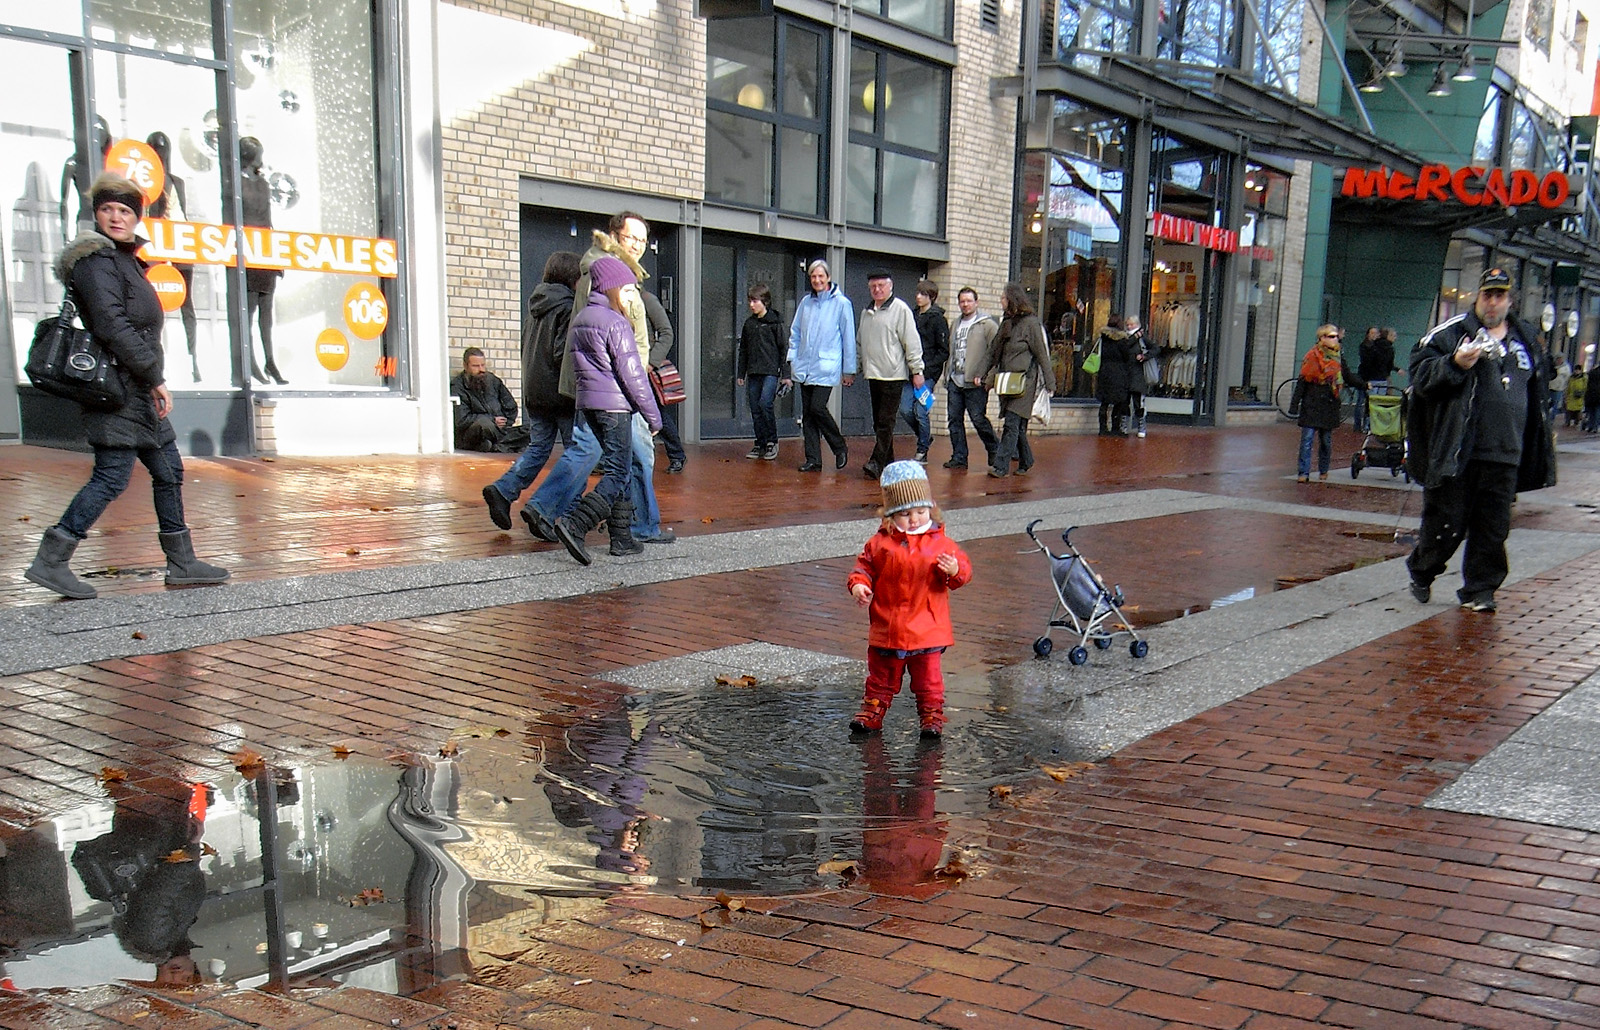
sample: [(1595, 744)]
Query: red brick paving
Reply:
[(1264, 865)]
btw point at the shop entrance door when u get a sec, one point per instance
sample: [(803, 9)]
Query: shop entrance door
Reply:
[(729, 265)]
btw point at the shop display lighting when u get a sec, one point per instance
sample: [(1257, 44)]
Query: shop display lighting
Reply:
[(1374, 82), (1465, 72), (1395, 66), (1441, 83)]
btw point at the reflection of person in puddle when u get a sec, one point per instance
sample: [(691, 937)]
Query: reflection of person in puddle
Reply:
[(595, 780), (902, 841), (155, 898)]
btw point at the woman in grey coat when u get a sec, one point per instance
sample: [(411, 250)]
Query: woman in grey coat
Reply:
[(1019, 346)]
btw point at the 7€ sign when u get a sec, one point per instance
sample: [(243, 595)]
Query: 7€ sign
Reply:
[(139, 164)]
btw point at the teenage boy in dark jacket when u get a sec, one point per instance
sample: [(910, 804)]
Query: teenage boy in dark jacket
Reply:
[(758, 367), (935, 333)]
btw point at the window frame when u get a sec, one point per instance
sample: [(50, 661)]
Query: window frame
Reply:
[(880, 144)]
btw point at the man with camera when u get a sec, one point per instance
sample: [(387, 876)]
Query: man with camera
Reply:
[(1478, 436)]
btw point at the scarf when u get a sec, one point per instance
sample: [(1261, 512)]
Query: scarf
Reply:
[(1320, 366)]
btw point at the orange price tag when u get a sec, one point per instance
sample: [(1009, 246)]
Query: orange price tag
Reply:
[(366, 311), (333, 350), (169, 286), (139, 164)]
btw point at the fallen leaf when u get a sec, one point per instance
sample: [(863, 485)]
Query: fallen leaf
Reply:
[(25, 518), (481, 731), (370, 896), (450, 749), (138, 634), (341, 752), (706, 922), (729, 902), (955, 869), (206, 849), (408, 759), (1062, 773), (177, 855), (708, 520), (737, 681), (847, 869), (245, 758), (1000, 790), (352, 551), (108, 774), (269, 461)]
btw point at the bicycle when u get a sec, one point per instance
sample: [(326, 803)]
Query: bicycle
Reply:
[(1284, 399)]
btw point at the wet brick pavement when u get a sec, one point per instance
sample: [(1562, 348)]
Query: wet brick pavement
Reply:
[(1267, 864)]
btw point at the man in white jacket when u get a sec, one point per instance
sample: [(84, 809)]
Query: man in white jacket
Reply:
[(891, 352)]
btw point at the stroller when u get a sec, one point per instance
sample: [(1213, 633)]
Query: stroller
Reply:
[(1083, 605), (1385, 443)]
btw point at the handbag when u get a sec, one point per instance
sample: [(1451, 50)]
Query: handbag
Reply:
[(66, 361), (1040, 416), (1010, 384), (1091, 364), (1152, 370), (667, 383)]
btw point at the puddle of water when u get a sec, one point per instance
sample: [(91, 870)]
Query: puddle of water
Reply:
[(389, 874)]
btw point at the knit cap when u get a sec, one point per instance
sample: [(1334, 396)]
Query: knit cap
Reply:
[(608, 273), (905, 486), (112, 187)]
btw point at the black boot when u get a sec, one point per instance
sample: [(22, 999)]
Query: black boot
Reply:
[(183, 568), (620, 527), (49, 568), (499, 507), (541, 527), (572, 527)]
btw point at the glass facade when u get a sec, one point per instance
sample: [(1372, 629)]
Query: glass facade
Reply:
[(1261, 245), (895, 169), (930, 16), (1084, 28), (1198, 32)]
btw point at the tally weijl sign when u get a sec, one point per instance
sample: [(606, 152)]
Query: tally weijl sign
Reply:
[(201, 243), (1472, 186)]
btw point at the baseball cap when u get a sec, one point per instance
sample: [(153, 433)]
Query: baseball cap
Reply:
[(1495, 278)]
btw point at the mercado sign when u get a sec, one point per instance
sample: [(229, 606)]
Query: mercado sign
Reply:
[(1472, 186), (202, 243)]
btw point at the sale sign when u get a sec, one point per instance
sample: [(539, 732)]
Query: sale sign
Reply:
[(201, 243), (169, 286), (333, 350), (139, 164), (365, 311)]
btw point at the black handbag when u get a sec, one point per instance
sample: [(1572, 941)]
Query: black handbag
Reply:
[(67, 361)]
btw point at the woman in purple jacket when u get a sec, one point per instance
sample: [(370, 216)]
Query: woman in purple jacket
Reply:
[(611, 385)]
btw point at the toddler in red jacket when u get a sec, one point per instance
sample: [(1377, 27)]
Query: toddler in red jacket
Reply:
[(905, 574)]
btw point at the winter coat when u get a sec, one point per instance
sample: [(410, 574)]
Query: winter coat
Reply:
[(1117, 365), (481, 402), (1375, 361), (1139, 352), (762, 347), (971, 364), (1577, 387), (1442, 394), (606, 366), (1020, 347), (910, 607), (888, 341), (544, 344), (638, 318), (935, 333), (822, 338), (1318, 397), (1591, 395), (121, 308)]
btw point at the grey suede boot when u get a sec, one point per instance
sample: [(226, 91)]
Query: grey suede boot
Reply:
[(183, 568), (49, 568), (572, 527), (619, 524)]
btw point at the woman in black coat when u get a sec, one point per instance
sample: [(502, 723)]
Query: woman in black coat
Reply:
[(1113, 382), (103, 273)]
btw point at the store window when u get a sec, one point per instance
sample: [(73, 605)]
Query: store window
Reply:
[(172, 26), (899, 117), (1085, 28), (930, 16), (765, 133), (1486, 143), (1184, 276), (65, 18), (1463, 266), (1197, 32), (1261, 243)]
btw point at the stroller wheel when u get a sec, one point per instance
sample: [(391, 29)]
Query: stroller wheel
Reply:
[(1043, 646), (1138, 648), (1356, 463), (1078, 656), (1102, 642)]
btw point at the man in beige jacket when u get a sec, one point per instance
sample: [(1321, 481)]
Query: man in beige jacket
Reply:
[(891, 351)]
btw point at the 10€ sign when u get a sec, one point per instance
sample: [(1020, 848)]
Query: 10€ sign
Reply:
[(365, 311)]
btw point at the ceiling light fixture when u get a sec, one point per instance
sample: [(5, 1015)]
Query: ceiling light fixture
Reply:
[(1374, 83), (1465, 72), (1395, 68), (1441, 83)]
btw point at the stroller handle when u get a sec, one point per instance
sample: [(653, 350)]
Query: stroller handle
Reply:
[(1066, 537)]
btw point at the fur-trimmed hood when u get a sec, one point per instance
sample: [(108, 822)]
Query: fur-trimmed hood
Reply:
[(605, 244), (88, 242)]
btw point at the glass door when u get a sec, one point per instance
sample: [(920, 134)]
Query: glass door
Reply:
[(729, 267)]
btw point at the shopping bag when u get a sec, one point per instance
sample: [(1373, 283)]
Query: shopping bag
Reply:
[(1091, 364), (1040, 415)]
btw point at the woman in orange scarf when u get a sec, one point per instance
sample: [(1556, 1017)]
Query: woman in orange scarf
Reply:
[(1322, 373)]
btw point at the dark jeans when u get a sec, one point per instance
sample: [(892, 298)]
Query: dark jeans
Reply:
[(762, 391), (1324, 439), (113, 468), (916, 417), (817, 420), (543, 431), (1014, 445), (969, 402), (1475, 506), (614, 430), (885, 407), (669, 433)]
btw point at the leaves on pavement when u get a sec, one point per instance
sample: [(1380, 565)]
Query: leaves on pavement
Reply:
[(111, 774), (1062, 773), (246, 760), (138, 634), (955, 869), (341, 752), (370, 896), (746, 680), (449, 749), (848, 869), (729, 902), (481, 731)]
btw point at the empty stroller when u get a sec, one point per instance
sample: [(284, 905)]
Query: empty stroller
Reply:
[(1385, 443), (1082, 597)]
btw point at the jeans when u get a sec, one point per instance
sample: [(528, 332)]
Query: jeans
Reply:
[(1014, 445), (885, 407), (641, 484), (543, 430), (669, 433), (1474, 506), (1363, 415), (916, 416), (762, 392), (569, 475), (113, 468), (613, 430), (816, 420), (1324, 438), (965, 402)]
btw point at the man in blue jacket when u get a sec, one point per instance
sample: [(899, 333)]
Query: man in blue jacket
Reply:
[(822, 354)]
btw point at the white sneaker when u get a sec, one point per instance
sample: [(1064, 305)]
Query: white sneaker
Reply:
[(1141, 434)]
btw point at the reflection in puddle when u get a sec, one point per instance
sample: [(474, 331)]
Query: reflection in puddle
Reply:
[(387, 875)]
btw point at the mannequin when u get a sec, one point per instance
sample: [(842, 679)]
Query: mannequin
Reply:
[(174, 203), (74, 185), (260, 283)]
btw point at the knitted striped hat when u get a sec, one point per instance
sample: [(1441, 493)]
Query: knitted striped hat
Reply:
[(905, 486)]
